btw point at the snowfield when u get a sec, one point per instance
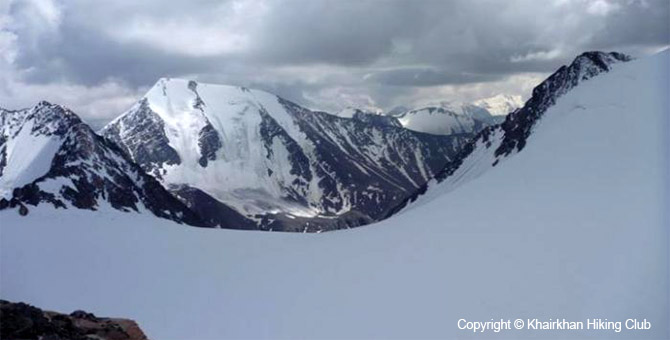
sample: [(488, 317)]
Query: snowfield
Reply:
[(575, 226)]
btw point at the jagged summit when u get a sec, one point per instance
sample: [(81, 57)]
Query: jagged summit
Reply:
[(29, 139), (49, 156), (48, 118), (601, 59)]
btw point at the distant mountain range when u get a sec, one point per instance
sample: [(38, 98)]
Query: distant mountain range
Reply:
[(277, 164), (220, 156), (232, 157), (445, 117)]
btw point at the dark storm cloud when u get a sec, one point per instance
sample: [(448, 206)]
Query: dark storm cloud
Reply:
[(85, 57), (337, 32), (644, 23), (306, 48), (81, 53), (455, 36)]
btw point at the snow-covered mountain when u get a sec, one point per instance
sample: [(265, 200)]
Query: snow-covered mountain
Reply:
[(500, 105), (49, 156), (575, 226), (282, 166), (246, 159), (495, 143), (448, 117)]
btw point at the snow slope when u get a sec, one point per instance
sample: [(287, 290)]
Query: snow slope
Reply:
[(575, 227)]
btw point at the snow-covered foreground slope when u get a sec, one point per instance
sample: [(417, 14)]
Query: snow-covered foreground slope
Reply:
[(572, 227)]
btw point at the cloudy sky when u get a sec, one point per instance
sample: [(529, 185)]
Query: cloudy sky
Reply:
[(98, 57)]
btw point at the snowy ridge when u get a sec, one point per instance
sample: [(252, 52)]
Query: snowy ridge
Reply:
[(274, 161), (49, 156), (497, 142)]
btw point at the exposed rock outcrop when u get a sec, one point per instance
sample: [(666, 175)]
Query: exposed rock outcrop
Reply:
[(23, 321)]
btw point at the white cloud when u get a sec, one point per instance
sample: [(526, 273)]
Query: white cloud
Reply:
[(334, 99), (602, 7), (541, 56), (7, 38), (100, 102), (519, 84), (48, 10), (36, 17), (225, 29)]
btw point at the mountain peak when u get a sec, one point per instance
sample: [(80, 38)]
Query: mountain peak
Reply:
[(49, 156), (55, 111), (42, 119), (500, 104), (274, 162), (589, 64), (607, 57)]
